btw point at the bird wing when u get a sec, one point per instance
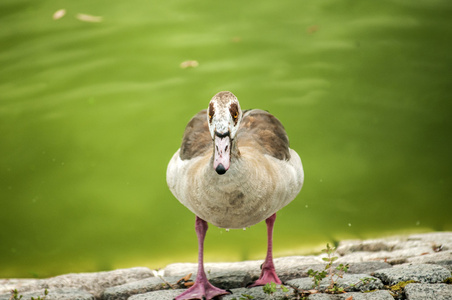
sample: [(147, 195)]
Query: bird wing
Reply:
[(264, 132), (197, 140)]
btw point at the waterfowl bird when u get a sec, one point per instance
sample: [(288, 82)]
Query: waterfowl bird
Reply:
[(234, 169)]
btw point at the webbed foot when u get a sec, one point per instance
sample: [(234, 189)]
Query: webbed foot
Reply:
[(268, 275), (202, 290)]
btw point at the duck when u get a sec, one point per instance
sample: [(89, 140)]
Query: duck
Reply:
[(233, 170)]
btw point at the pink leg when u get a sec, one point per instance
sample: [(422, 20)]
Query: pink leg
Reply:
[(268, 273), (202, 289)]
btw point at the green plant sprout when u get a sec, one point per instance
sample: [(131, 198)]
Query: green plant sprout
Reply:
[(244, 297), (271, 287), (15, 295), (364, 281), (46, 292), (317, 276), (333, 273)]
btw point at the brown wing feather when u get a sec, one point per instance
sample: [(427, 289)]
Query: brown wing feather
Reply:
[(197, 140), (263, 131)]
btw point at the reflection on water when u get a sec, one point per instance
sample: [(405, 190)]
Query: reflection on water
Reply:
[(93, 103)]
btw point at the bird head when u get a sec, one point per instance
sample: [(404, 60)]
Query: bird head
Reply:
[(223, 116)]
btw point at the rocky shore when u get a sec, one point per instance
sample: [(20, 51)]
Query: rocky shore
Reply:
[(410, 267)]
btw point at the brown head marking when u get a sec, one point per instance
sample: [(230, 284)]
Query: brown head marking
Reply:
[(211, 111)]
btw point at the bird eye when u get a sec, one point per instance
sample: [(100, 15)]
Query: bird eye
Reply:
[(234, 111)]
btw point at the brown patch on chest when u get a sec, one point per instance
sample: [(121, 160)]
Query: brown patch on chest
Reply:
[(236, 199)]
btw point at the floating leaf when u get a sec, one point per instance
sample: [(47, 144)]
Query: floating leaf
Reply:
[(59, 14), (312, 29), (190, 64), (89, 18)]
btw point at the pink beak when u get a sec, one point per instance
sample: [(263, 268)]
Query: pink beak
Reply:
[(222, 158)]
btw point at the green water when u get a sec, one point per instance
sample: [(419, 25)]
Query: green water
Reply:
[(91, 113)]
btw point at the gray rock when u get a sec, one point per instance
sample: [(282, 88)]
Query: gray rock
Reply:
[(427, 241), (367, 267), (94, 283), (359, 283), (377, 295), (445, 263), (326, 297), (298, 271), (285, 266), (6, 285), (289, 261), (158, 295), (55, 294), (182, 269), (258, 293), (441, 238), (393, 257), (351, 246), (422, 291), (230, 280), (398, 249), (301, 283), (296, 266), (124, 291), (422, 273), (432, 258), (223, 280), (97, 282), (349, 282)]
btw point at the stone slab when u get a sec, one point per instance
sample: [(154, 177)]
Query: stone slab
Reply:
[(124, 291), (258, 293), (158, 295), (349, 282), (422, 291), (285, 266), (94, 283), (429, 256), (423, 273), (430, 241), (54, 294), (6, 285), (432, 258), (377, 295)]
